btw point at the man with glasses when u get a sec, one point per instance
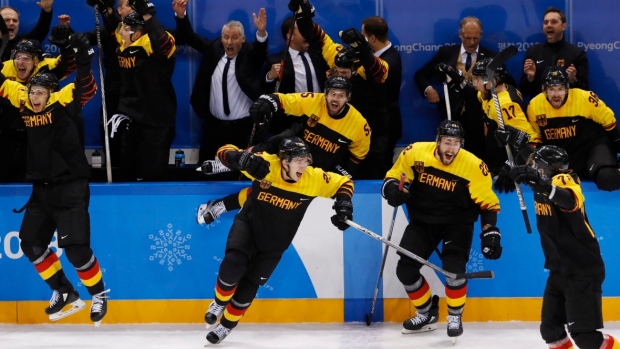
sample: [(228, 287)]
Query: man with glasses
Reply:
[(463, 57), (579, 122), (447, 188)]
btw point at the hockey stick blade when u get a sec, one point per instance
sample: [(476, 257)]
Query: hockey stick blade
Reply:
[(500, 59), (485, 274)]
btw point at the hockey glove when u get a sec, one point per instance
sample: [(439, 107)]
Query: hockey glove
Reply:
[(614, 137), (143, 7), (103, 5), (254, 165), (355, 39), (307, 10), (84, 53), (490, 243), (454, 77), (263, 109), (344, 211), (503, 183), (539, 182), (394, 196), (61, 35), (511, 136)]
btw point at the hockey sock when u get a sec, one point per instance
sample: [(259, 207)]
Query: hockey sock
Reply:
[(610, 342), (420, 294), (456, 293), (49, 268), (565, 343), (91, 277), (233, 313), (224, 292)]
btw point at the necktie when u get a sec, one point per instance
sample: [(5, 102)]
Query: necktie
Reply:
[(468, 61), (308, 72), (225, 87)]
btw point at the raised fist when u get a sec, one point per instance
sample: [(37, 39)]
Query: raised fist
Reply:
[(307, 10), (142, 7), (61, 35), (355, 39), (539, 182), (84, 53), (263, 109), (102, 5)]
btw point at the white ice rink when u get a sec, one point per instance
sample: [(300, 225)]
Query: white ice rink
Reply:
[(504, 335)]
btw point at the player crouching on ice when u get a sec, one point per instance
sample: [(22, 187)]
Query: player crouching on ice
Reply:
[(283, 186)]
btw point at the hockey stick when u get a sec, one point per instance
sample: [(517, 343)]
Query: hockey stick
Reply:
[(447, 99), (108, 161), (485, 274), (385, 252), (495, 63)]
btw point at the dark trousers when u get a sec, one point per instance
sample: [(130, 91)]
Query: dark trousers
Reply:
[(145, 152)]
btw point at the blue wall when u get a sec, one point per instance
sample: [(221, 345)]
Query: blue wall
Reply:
[(416, 27)]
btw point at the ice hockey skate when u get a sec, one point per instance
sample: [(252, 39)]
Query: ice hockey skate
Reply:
[(211, 167), (64, 304), (218, 334), (208, 213), (455, 326), (213, 313), (99, 307), (423, 322)]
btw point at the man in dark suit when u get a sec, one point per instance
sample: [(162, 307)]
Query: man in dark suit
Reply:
[(463, 57), (227, 80), (305, 70), (375, 29)]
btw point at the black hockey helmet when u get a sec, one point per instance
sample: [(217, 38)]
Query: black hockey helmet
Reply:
[(28, 46), (555, 76), (340, 83), (480, 69), (346, 58), (45, 79), (550, 159), (294, 147), (450, 128), (134, 20)]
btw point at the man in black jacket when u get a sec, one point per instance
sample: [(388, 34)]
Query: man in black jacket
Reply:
[(463, 57), (225, 122), (553, 52), (10, 16)]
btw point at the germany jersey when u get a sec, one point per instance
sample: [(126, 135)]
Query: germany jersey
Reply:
[(442, 194), (276, 207), (580, 122), (512, 108), (568, 241), (55, 150), (146, 67), (331, 140), (53, 65)]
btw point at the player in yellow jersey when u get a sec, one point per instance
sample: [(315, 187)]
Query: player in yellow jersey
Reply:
[(283, 186), (580, 123), (448, 188), (572, 298)]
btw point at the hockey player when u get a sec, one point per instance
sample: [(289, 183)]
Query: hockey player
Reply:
[(580, 123), (59, 171), (572, 297), (335, 132), (448, 188), (283, 186)]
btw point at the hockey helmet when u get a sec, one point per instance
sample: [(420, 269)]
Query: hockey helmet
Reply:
[(480, 69), (294, 147), (346, 58), (555, 76), (28, 46), (134, 20), (45, 79), (340, 83), (550, 159), (450, 128)]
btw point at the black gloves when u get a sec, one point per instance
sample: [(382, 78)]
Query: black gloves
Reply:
[(344, 211), (103, 4), (394, 196), (263, 109), (539, 182), (490, 243), (84, 52), (307, 10), (454, 77), (511, 136), (255, 165), (143, 7), (61, 35), (355, 39), (503, 183)]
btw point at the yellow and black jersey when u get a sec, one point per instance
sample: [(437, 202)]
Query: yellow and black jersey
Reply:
[(47, 64), (582, 120), (442, 194), (331, 141), (568, 241), (512, 108), (276, 207)]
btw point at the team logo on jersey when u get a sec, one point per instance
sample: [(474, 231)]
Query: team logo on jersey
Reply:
[(313, 120), (541, 120), (265, 184), (561, 62), (419, 166)]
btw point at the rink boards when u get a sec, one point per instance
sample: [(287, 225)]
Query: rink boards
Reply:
[(161, 266)]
